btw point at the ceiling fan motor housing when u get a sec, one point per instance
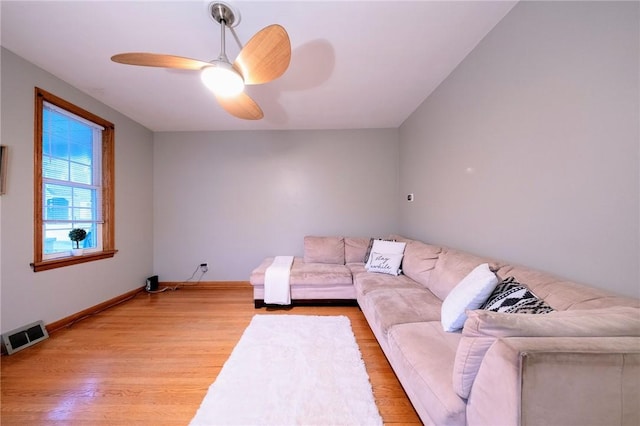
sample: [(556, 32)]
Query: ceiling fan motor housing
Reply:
[(221, 11)]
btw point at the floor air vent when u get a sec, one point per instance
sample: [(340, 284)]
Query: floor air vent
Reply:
[(23, 337)]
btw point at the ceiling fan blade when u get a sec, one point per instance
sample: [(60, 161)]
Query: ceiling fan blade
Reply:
[(266, 56), (159, 60), (241, 106)]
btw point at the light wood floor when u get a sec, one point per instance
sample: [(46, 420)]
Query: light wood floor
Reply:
[(150, 361)]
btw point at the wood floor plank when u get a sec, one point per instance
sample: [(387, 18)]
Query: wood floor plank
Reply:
[(151, 359)]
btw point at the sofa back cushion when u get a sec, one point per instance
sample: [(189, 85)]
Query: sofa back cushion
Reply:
[(451, 267), (419, 261), (324, 250), (613, 322), (483, 328), (355, 249), (563, 294)]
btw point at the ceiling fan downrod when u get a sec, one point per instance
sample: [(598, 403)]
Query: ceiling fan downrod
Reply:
[(223, 49), (221, 78)]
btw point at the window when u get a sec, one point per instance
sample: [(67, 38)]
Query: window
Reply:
[(73, 183)]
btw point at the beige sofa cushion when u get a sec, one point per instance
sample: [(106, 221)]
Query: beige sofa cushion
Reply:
[(307, 274), (451, 267), (563, 294), (616, 321), (321, 274), (399, 305), (355, 249), (365, 281), (422, 356), (324, 250), (483, 328), (419, 261)]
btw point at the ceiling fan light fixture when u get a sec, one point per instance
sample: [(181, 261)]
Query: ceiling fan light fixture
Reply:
[(222, 79), (263, 58)]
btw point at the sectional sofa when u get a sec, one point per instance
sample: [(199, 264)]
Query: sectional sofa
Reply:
[(522, 346)]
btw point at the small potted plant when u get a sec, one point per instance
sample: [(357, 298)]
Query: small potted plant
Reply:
[(77, 235)]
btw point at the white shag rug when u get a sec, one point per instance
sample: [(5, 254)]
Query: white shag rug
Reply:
[(292, 370)]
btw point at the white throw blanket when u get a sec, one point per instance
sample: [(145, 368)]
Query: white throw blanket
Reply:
[(276, 281)]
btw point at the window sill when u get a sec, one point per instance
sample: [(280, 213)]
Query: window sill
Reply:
[(71, 260)]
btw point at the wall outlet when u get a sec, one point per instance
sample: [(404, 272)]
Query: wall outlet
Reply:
[(410, 197), (204, 267)]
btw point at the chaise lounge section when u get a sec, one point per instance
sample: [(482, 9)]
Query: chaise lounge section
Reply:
[(322, 276), (311, 283)]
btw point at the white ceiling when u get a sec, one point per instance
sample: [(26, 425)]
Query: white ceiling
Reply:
[(355, 64)]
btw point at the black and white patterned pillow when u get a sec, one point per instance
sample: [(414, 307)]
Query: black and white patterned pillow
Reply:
[(368, 253), (512, 297)]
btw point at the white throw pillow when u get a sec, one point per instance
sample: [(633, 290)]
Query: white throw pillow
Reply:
[(385, 263), (470, 293), (386, 247)]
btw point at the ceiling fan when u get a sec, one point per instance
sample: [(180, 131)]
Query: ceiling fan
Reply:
[(264, 58)]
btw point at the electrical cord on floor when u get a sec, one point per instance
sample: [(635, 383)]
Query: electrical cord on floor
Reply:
[(187, 282), (162, 290)]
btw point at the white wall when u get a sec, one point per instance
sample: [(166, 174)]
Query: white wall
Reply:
[(529, 151), (55, 294), (232, 198)]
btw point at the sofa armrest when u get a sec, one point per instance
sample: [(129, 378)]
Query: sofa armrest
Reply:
[(558, 381)]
